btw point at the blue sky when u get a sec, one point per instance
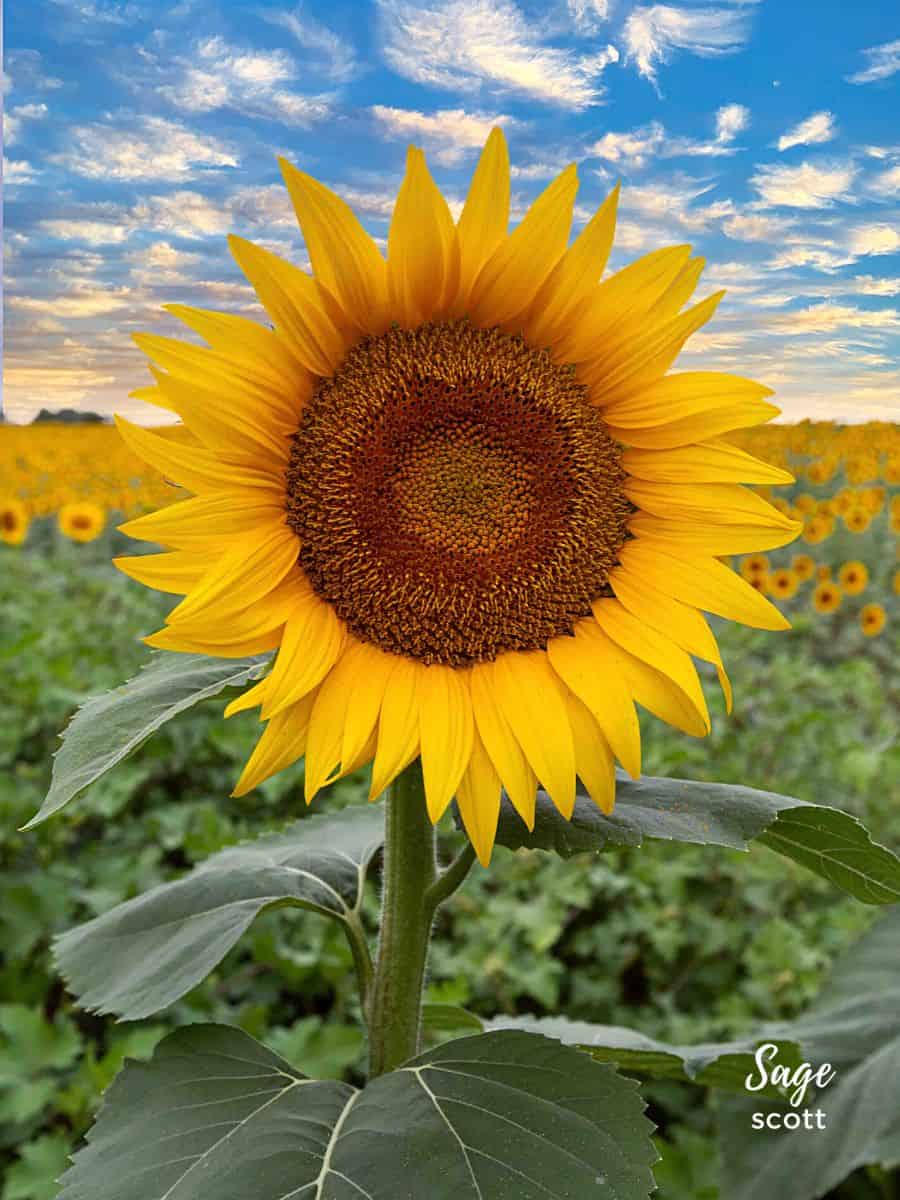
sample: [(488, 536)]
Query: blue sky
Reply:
[(764, 132)]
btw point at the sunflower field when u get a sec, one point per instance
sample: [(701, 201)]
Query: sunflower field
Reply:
[(683, 946)]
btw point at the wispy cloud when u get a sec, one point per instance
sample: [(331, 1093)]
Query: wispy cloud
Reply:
[(147, 148), (873, 239), (328, 52), (635, 147), (881, 62), (819, 127), (653, 33), (218, 75), (450, 133), (803, 186), (465, 45)]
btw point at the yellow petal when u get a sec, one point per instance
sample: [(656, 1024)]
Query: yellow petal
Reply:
[(204, 521), (246, 342), (658, 694), (704, 462), (344, 258), (619, 303), (445, 730), (326, 723), (574, 278), (588, 668), (398, 725), (423, 252), (678, 292), (685, 625), (223, 621), (478, 799), (173, 639), (530, 698), (252, 698), (698, 536), (500, 744), (510, 278), (244, 574), (151, 395), (295, 303), (645, 355), (713, 503), (654, 648), (283, 741), (594, 761), (684, 396), (702, 581), (312, 643), (192, 466), (176, 572), (364, 703), (484, 219)]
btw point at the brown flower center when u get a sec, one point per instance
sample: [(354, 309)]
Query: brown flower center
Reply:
[(455, 494)]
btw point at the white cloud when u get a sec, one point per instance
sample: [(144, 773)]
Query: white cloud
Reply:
[(731, 119), (180, 214), (873, 239), (17, 171), (803, 186), (873, 285), (815, 129), (450, 132), (588, 15), (652, 33), (95, 233), (251, 82), (887, 183), (754, 227), (332, 56), (13, 118), (146, 148), (883, 61), (467, 44), (79, 302), (817, 257), (632, 148), (826, 318)]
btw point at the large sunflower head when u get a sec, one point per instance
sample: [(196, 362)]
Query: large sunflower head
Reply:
[(460, 493)]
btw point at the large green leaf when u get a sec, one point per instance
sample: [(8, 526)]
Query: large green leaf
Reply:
[(144, 954), (855, 1026), (505, 1116), (713, 1064), (108, 728), (832, 843)]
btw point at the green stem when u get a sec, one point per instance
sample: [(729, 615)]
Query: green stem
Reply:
[(451, 878), (362, 958), (395, 1006)]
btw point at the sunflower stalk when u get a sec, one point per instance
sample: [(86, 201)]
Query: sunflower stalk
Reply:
[(408, 905)]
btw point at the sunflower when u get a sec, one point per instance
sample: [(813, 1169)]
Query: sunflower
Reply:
[(823, 572), (14, 522), (858, 520), (817, 528), (827, 597), (81, 520), (872, 618), (803, 566), (460, 495), (853, 577), (753, 565), (783, 583)]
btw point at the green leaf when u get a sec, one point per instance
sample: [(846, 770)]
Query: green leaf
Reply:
[(442, 1021), (854, 1026), (143, 955), (509, 1116), (108, 728), (713, 1064), (31, 1050), (829, 842), (40, 1164)]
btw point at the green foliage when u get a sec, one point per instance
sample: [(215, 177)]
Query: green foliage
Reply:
[(855, 1026), (508, 1115), (686, 947), (825, 840)]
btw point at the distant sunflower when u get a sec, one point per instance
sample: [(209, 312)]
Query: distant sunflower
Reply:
[(460, 495), (783, 583), (858, 520), (753, 565), (803, 566), (14, 522), (827, 597), (853, 577), (817, 528), (81, 520), (872, 619)]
